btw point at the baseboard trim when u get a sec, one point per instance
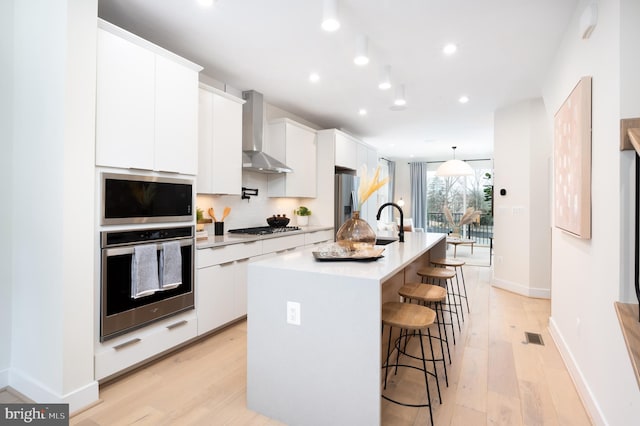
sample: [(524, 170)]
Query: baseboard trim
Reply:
[(38, 392), (593, 409), (539, 293)]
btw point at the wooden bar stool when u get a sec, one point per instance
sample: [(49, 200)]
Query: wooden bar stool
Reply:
[(444, 278), (457, 266), (431, 295), (409, 317)]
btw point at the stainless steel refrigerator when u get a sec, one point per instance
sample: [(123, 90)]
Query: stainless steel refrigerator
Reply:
[(346, 187)]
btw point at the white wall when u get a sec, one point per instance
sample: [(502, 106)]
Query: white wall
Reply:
[(522, 146), (6, 189), (53, 229), (586, 274)]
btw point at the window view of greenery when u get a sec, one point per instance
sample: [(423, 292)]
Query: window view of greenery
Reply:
[(459, 194)]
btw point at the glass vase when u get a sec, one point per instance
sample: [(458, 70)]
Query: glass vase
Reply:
[(356, 234)]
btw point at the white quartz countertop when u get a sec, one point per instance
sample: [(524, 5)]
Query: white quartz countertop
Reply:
[(395, 257), (226, 239)]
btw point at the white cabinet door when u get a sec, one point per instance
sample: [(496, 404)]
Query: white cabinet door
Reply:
[(146, 106), (176, 120), (299, 145), (346, 151), (204, 182), (220, 144), (215, 296), (125, 101)]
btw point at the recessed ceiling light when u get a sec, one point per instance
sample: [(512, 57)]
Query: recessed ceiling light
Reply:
[(463, 99), (330, 16), (314, 77), (362, 111), (449, 49)]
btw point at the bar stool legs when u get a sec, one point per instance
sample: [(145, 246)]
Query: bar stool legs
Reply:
[(409, 317), (443, 278), (457, 266)]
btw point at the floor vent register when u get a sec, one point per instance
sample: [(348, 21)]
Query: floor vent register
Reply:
[(533, 338)]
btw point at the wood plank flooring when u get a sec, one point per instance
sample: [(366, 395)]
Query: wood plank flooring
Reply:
[(495, 377)]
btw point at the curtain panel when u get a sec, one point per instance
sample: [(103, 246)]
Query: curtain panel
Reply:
[(418, 173)]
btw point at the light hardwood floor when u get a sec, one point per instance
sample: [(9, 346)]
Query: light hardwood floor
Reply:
[(494, 378)]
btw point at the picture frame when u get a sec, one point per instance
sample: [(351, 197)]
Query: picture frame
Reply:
[(572, 162)]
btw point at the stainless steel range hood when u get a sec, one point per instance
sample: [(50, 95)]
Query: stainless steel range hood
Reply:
[(253, 158)]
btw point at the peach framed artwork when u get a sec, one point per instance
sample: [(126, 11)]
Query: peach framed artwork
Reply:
[(572, 162)]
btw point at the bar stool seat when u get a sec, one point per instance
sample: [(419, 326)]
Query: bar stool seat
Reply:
[(409, 317), (436, 273), (457, 266)]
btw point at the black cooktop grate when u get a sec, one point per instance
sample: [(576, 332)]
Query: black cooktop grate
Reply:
[(263, 230)]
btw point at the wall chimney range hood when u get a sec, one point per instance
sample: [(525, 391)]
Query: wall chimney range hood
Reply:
[(253, 158)]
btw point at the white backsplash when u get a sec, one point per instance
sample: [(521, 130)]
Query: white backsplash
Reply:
[(252, 212)]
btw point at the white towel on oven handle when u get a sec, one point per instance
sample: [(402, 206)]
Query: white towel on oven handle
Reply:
[(170, 265), (144, 271)]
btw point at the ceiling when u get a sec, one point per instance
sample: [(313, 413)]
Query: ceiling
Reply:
[(504, 49)]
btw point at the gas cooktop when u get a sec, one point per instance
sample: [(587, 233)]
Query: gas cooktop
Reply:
[(263, 230)]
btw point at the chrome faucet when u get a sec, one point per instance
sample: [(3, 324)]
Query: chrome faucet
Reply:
[(401, 232)]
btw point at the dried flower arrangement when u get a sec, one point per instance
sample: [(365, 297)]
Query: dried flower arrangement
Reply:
[(469, 216), (368, 186)]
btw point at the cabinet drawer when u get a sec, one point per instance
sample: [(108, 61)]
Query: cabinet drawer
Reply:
[(126, 351), (229, 253), (282, 243), (318, 236)]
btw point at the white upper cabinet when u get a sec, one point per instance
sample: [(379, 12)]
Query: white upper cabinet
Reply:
[(296, 146), (219, 143), (146, 105), (346, 149)]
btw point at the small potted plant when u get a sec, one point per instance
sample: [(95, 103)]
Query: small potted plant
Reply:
[(302, 215)]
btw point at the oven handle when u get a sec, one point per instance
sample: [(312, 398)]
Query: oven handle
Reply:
[(119, 251)]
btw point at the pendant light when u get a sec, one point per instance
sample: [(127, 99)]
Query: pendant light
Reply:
[(400, 99), (454, 167), (385, 79), (362, 55), (330, 20)]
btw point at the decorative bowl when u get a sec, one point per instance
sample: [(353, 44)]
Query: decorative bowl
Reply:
[(278, 221)]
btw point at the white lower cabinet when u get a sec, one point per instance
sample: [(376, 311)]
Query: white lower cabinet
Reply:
[(221, 284), (121, 353), (318, 237)]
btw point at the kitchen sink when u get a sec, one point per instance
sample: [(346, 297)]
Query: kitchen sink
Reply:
[(381, 241)]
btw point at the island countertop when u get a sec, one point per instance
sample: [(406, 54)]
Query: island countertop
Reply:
[(395, 257), (313, 331)]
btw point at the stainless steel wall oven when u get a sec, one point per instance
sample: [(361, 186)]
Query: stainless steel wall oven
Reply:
[(120, 310)]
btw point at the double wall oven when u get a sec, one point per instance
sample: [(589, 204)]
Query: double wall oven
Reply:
[(147, 231)]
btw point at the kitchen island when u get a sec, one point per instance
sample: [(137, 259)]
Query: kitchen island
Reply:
[(326, 370)]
